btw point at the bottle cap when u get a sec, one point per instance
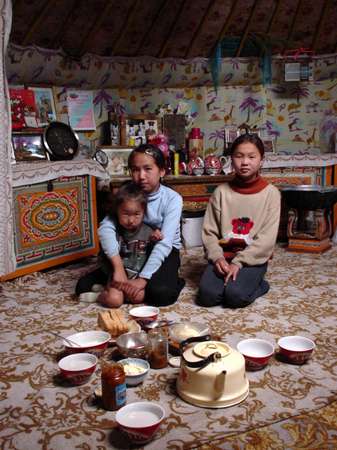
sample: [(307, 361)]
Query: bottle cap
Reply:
[(195, 133)]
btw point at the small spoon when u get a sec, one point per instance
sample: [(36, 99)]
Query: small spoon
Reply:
[(159, 324), (69, 341)]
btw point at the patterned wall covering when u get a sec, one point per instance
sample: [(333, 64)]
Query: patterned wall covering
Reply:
[(302, 117), (33, 65)]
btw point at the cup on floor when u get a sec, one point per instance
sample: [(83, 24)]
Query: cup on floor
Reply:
[(256, 352)]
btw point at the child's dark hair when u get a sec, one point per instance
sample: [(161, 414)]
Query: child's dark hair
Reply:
[(129, 191), (252, 139), (151, 150)]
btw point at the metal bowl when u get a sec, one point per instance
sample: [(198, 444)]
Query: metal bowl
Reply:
[(133, 345)]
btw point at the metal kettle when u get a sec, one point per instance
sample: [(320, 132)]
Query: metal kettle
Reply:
[(212, 374)]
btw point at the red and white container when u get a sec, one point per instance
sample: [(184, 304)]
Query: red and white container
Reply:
[(195, 144)]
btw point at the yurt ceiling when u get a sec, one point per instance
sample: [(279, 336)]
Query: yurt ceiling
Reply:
[(175, 28)]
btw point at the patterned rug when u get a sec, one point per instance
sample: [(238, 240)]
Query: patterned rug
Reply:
[(288, 407)]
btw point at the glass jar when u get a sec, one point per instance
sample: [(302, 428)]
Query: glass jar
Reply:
[(113, 385), (158, 349)]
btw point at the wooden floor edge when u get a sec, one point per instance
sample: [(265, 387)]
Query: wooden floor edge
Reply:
[(49, 264)]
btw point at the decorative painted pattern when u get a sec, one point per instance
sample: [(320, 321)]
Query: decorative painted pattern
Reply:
[(53, 224), (46, 216)]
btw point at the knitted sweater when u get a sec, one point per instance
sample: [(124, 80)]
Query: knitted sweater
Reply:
[(245, 219), (163, 211)]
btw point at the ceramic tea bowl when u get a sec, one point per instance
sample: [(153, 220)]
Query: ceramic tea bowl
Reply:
[(140, 420), (256, 352), (296, 349), (78, 368)]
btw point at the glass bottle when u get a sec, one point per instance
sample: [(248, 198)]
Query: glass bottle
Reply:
[(113, 385), (158, 349)]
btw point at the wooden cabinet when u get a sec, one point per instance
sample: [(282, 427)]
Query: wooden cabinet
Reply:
[(54, 222), (195, 191)]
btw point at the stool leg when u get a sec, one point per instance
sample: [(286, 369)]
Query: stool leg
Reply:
[(323, 224), (292, 222)]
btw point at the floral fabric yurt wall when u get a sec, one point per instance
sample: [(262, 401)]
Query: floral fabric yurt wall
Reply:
[(301, 117)]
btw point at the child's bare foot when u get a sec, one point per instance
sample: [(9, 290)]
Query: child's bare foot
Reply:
[(134, 294), (112, 298)]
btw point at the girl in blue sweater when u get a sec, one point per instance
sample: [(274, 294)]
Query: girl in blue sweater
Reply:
[(159, 277)]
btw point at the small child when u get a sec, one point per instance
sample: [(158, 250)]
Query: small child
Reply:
[(135, 241)]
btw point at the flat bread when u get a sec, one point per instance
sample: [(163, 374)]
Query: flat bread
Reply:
[(113, 321)]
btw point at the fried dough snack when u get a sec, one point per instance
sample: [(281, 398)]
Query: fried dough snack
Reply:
[(113, 321)]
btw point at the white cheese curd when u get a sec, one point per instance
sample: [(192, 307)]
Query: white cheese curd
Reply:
[(133, 369)]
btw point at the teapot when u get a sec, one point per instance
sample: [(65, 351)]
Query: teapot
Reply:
[(212, 374), (195, 166), (214, 164)]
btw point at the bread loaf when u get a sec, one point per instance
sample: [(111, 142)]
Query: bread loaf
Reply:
[(113, 321)]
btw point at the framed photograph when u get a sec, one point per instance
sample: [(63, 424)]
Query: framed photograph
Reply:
[(269, 145), (117, 160), (45, 107), (28, 147), (139, 127)]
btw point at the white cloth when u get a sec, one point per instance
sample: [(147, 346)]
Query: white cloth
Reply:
[(7, 260), (38, 172)]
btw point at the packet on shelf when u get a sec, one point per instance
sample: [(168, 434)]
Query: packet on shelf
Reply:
[(113, 321)]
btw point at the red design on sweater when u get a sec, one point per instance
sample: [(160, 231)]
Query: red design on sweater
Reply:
[(242, 225), (238, 238)]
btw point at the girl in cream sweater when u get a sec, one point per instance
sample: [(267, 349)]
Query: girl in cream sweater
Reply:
[(240, 230)]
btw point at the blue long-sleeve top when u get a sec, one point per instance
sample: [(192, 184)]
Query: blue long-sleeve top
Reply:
[(163, 211)]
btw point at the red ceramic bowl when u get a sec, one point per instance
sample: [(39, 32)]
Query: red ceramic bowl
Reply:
[(144, 314), (78, 368), (296, 349), (256, 352), (94, 342), (140, 420)]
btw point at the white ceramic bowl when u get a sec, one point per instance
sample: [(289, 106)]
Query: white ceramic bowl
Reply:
[(256, 352), (78, 368), (178, 332), (144, 314), (136, 378), (88, 297), (140, 420), (94, 342), (296, 349)]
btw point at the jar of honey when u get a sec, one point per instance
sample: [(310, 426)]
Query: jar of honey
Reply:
[(113, 385), (158, 349)]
